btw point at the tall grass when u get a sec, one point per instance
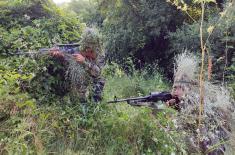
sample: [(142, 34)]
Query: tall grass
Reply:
[(62, 127)]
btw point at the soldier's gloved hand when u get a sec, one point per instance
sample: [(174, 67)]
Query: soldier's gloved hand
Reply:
[(55, 52), (171, 102), (174, 103), (79, 58)]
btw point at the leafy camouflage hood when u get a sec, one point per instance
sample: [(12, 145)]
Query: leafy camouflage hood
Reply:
[(186, 69), (90, 38)]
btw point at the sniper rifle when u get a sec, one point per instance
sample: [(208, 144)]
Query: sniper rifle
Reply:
[(64, 48), (149, 100)]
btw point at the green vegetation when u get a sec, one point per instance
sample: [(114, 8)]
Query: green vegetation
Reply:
[(60, 126), (30, 25), (38, 115)]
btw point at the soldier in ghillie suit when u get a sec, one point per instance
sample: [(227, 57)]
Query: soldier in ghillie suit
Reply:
[(85, 72), (93, 59), (213, 133)]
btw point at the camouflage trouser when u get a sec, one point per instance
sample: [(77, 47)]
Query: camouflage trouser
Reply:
[(82, 93), (95, 91)]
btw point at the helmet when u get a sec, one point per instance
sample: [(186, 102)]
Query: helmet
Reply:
[(90, 38)]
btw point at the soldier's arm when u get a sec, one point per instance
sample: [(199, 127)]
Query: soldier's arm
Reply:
[(94, 68), (55, 52), (174, 103)]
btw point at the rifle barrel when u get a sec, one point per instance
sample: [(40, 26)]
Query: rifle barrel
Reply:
[(153, 97), (74, 44), (129, 99)]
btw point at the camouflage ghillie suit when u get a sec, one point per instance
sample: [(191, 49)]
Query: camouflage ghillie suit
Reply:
[(211, 136), (94, 82), (82, 78), (214, 130)]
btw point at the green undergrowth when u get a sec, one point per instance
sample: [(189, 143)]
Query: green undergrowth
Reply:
[(64, 126)]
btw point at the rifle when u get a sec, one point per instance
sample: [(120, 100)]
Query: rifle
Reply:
[(64, 48), (148, 100)]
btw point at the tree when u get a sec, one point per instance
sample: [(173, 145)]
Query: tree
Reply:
[(138, 29)]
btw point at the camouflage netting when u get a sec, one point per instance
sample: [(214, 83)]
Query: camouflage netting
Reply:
[(218, 109), (75, 73)]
